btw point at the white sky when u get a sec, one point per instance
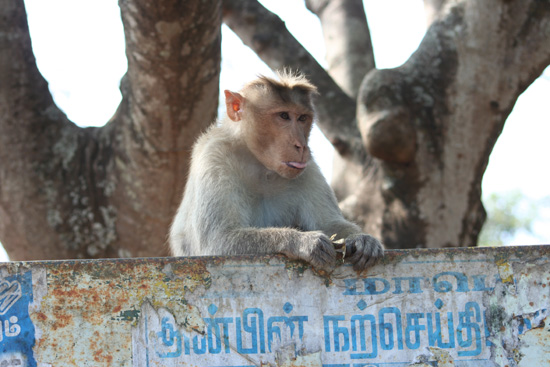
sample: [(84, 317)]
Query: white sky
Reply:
[(79, 47)]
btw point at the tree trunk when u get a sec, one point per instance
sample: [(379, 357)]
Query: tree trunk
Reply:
[(70, 192), (428, 127)]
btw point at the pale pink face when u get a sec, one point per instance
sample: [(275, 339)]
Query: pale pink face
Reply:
[(276, 133)]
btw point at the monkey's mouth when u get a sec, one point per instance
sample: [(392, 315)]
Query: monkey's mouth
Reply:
[(296, 165)]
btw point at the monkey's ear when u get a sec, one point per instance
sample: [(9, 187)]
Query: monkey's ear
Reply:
[(234, 104)]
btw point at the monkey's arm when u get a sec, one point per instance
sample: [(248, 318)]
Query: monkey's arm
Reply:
[(220, 223), (313, 247), (232, 237), (322, 208)]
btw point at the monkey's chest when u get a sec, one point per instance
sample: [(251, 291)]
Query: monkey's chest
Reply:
[(274, 211)]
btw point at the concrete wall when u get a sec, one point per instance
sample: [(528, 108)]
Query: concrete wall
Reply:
[(453, 307)]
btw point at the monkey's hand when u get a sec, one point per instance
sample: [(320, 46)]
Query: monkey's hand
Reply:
[(317, 249), (365, 250)]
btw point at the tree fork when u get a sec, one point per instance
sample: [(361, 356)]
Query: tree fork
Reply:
[(70, 192)]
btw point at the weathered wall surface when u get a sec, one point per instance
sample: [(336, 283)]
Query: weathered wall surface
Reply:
[(459, 307)]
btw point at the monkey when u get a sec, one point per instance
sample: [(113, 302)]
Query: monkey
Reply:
[(253, 187)]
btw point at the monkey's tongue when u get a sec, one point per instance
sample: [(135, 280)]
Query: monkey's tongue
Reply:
[(296, 165)]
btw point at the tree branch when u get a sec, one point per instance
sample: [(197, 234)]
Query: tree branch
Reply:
[(266, 34), (170, 96), (433, 122), (24, 96), (170, 69), (347, 38), (31, 131)]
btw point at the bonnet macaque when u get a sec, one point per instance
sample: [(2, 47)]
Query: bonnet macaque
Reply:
[(254, 189)]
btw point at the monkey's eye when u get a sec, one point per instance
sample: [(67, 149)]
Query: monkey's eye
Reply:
[(284, 115), (303, 118)]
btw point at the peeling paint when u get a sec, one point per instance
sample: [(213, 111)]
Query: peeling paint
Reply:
[(535, 345), (434, 356), (452, 307), (289, 357), (505, 271)]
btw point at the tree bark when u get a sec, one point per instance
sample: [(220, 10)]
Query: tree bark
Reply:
[(70, 192), (428, 127), (433, 9), (347, 39), (434, 121), (350, 57)]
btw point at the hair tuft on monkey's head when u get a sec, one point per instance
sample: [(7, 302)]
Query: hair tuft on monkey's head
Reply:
[(291, 86), (295, 80)]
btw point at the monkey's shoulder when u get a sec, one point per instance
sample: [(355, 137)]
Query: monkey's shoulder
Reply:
[(216, 144)]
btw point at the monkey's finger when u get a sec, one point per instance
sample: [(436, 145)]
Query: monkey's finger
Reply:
[(360, 260), (323, 255), (350, 250), (369, 250), (354, 246), (327, 246), (374, 255), (371, 261), (364, 262), (328, 257)]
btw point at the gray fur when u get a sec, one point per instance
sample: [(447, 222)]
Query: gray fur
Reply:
[(233, 205)]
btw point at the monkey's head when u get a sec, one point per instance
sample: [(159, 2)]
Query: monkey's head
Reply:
[(275, 118)]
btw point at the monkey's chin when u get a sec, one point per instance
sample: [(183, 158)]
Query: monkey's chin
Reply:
[(291, 170)]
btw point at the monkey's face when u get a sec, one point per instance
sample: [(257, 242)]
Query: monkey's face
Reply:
[(275, 124), (278, 137)]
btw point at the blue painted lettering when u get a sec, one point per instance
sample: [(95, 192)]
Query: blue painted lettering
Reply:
[(413, 326), (444, 286), (467, 322)]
